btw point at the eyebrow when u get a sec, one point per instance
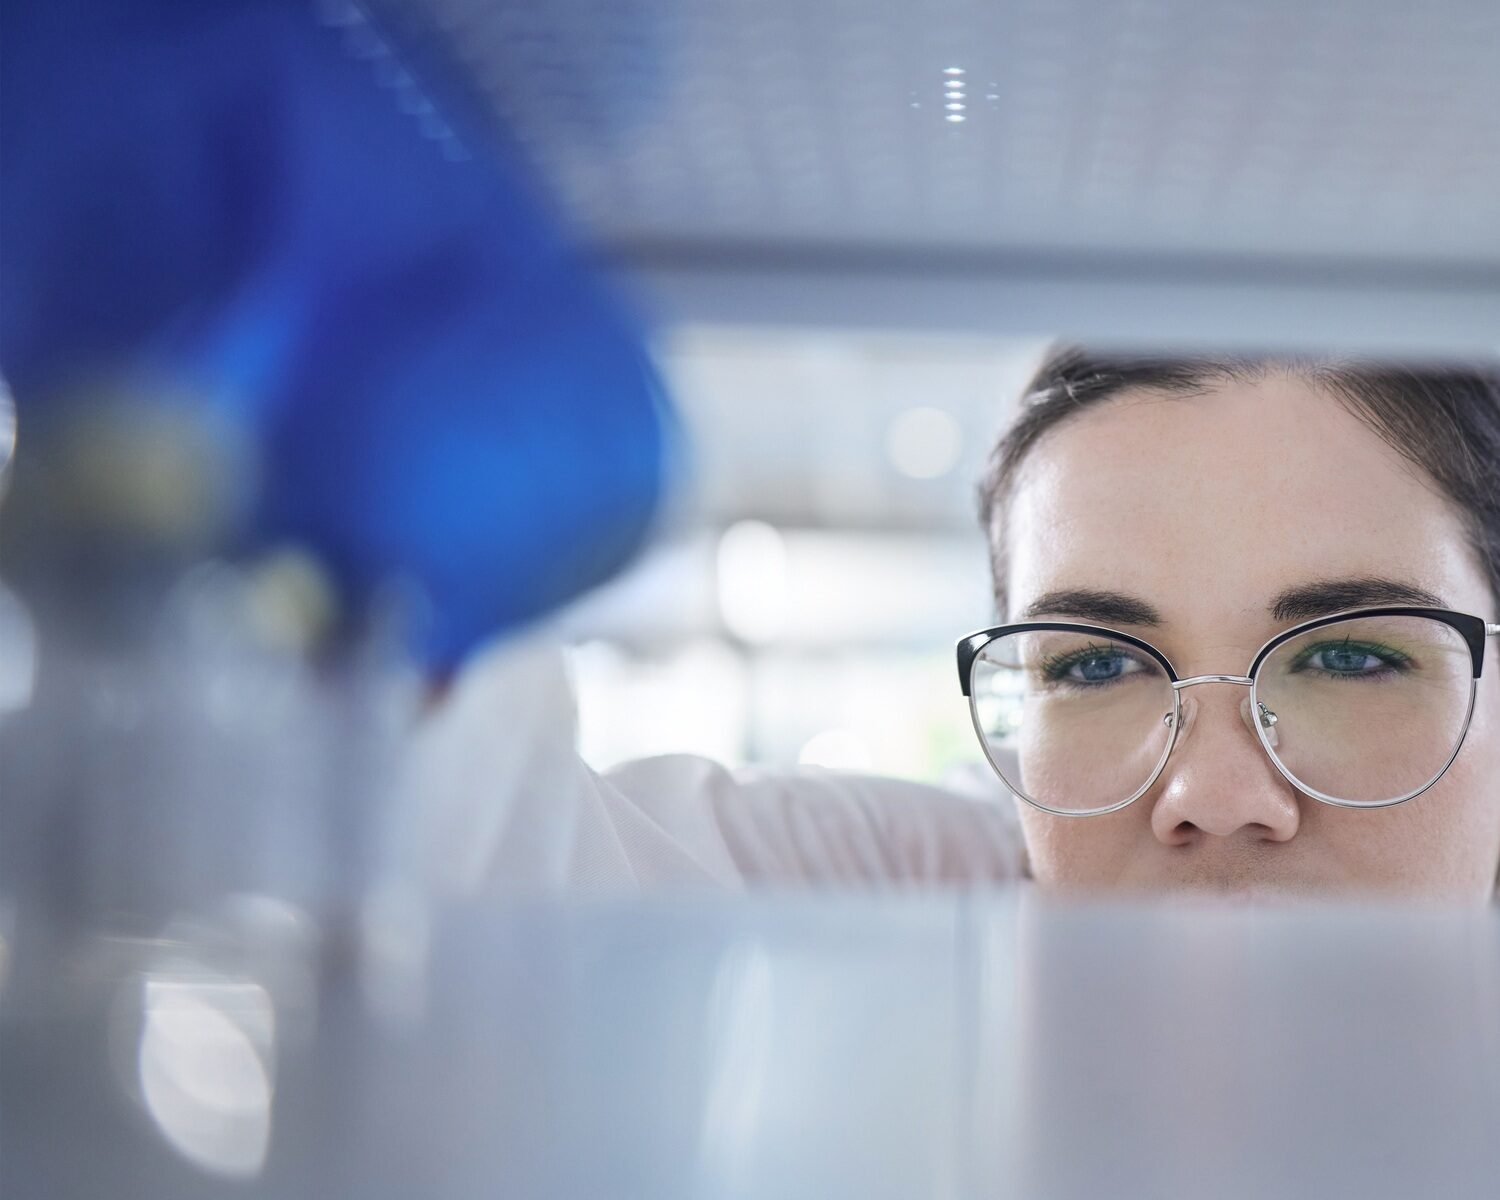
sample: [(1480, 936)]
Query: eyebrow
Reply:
[(1089, 604), (1300, 603), (1306, 601)]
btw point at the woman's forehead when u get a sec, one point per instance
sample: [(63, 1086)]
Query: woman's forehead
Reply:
[(1213, 501)]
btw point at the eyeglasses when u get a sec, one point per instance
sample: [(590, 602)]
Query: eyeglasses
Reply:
[(1361, 709)]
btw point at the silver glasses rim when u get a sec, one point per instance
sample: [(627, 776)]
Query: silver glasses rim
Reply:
[(1263, 736), (1253, 682), (1017, 791), (1194, 681)]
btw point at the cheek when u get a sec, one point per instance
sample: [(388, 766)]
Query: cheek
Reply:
[(1473, 782), (1477, 771), (1484, 730), (1083, 852), (1444, 845)]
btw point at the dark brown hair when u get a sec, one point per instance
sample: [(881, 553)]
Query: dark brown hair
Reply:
[(1443, 419)]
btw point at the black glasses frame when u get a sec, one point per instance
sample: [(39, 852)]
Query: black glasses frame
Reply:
[(1474, 630)]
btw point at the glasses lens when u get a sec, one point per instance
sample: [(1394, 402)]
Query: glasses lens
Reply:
[(1073, 722), (1369, 710)]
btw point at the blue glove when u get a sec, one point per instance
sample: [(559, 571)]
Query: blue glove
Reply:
[(222, 196)]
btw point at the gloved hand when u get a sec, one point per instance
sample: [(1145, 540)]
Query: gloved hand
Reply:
[(234, 208)]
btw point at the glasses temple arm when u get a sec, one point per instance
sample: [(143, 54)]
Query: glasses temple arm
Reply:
[(1492, 631)]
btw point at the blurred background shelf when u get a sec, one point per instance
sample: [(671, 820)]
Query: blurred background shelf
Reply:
[(1267, 174)]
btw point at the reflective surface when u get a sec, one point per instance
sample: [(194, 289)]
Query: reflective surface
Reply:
[(940, 1047)]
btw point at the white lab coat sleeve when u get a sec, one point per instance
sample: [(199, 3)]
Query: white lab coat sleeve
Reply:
[(495, 797)]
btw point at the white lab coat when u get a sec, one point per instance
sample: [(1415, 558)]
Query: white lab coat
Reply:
[(495, 796)]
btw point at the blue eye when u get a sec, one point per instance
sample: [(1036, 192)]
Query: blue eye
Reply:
[(1094, 666), (1351, 660), (1099, 668), (1346, 661)]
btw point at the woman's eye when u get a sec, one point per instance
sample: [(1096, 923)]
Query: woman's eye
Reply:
[(1097, 669), (1104, 667), (1348, 660)]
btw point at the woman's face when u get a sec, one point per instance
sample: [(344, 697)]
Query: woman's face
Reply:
[(1207, 509)]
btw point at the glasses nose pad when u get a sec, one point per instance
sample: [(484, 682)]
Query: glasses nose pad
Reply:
[(1182, 718), (1259, 713)]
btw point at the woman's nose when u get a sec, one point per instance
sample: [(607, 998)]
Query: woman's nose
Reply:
[(1219, 782)]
